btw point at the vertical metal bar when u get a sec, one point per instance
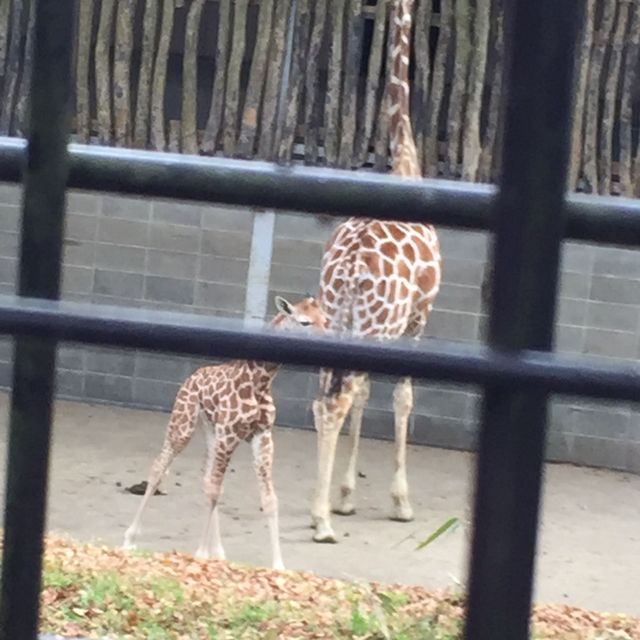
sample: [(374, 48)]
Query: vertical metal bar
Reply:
[(45, 177), (530, 221)]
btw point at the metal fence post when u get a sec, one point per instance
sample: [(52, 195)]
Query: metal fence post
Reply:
[(529, 224), (45, 177)]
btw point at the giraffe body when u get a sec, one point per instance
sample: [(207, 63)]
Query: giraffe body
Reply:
[(379, 279), (233, 402)]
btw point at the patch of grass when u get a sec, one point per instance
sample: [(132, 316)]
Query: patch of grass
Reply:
[(252, 615), (56, 578), (141, 553), (107, 602), (391, 601), (362, 624), (105, 590), (101, 592)]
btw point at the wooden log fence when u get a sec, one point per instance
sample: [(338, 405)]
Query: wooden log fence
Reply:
[(304, 80)]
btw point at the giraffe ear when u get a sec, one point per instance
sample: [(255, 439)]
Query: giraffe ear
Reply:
[(283, 306)]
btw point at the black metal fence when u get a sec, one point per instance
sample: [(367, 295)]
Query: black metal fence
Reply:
[(529, 213)]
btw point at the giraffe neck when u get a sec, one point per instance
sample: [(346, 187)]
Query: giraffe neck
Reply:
[(264, 369), (403, 149)]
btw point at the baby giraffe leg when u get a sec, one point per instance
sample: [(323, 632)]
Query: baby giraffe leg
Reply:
[(402, 405), (158, 469), (346, 506), (211, 536), (211, 542), (222, 451), (262, 445), (182, 424)]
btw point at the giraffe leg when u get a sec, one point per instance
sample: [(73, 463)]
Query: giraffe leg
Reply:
[(210, 542), (262, 445), (158, 469), (402, 405), (347, 506), (329, 413), (176, 439)]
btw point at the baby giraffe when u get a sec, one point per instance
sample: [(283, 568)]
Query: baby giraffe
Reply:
[(236, 403)]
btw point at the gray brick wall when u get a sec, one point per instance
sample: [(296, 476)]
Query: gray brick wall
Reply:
[(158, 254)]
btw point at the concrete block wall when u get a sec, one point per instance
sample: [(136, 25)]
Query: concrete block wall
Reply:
[(207, 259)]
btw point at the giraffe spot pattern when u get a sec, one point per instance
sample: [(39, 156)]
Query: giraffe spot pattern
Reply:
[(380, 278)]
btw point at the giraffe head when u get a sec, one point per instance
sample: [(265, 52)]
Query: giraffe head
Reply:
[(305, 314)]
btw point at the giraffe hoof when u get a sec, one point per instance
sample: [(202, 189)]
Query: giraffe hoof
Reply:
[(345, 510), (327, 538), (129, 544), (324, 533), (402, 515)]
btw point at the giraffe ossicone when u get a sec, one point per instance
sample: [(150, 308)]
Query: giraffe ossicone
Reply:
[(233, 402), (379, 279)]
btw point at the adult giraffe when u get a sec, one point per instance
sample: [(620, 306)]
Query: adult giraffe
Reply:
[(379, 280)]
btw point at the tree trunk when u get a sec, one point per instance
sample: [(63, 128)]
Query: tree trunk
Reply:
[(580, 96), (491, 156), (103, 71), (299, 55), (12, 70), (436, 95), (150, 30), (158, 129), (632, 52), (233, 76), (27, 68), (216, 111), (255, 87), (122, 72), (5, 9), (83, 108), (590, 141), (471, 145), (334, 84), (355, 32), (372, 95), (189, 129), (174, 136), (381, 144), (457, 98), (420, 88), (610, 99), (268, 122), (313, 105)]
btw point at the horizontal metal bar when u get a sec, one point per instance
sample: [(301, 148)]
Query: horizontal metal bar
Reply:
[(603, 219), (182, 333)]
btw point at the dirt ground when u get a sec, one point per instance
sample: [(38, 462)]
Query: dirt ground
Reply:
[(590, 541)]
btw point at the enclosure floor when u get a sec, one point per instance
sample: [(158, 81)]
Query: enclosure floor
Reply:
[(589, 547)]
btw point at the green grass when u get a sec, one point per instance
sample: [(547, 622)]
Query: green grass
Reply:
[(100, 592), (157, 608)]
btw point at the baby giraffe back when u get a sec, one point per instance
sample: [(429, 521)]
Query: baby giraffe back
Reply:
[(234, 397)]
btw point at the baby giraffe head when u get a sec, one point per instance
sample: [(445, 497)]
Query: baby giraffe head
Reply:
[(306, 314)]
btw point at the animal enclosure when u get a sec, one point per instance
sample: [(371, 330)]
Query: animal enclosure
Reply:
[(529, 211)]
